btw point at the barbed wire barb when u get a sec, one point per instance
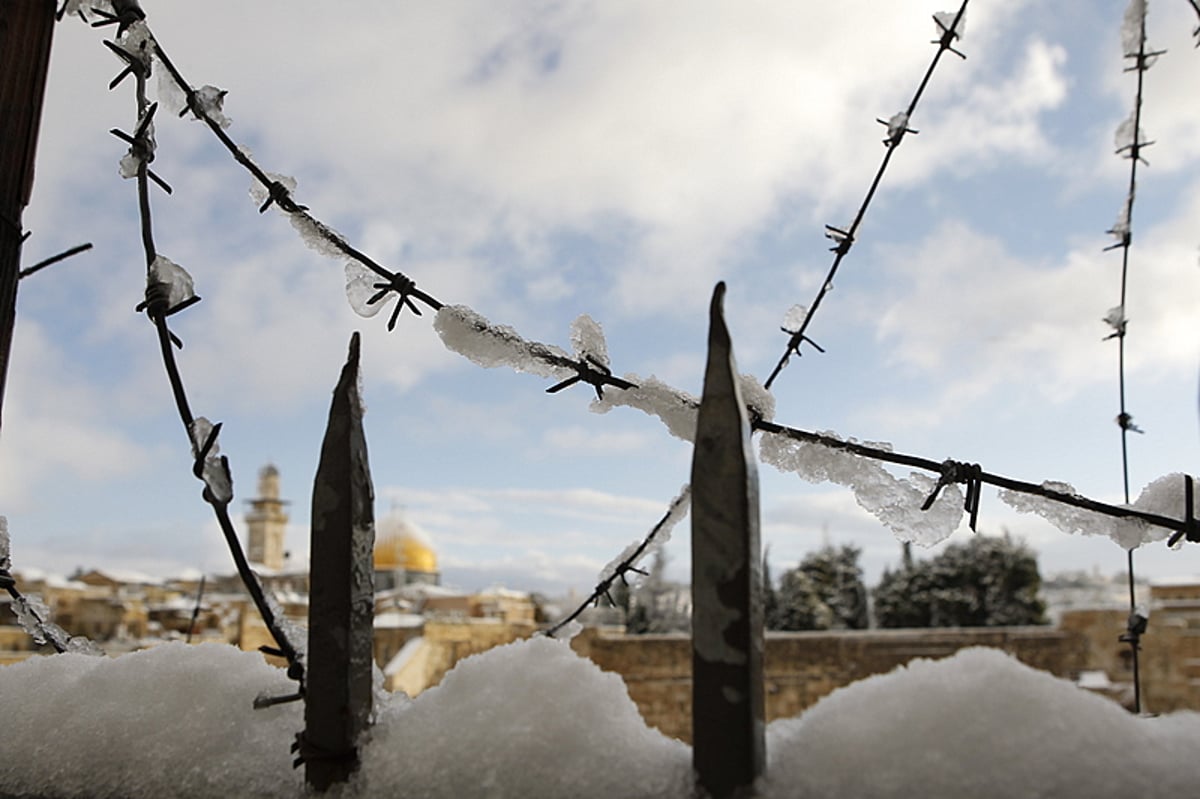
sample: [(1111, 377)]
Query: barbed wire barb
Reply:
[(844, 238)]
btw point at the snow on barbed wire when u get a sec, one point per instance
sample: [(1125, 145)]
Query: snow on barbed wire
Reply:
[(471, 335), (794, 318), (212, 104), (179, 284), (173, 99), (658, 537), (1115, 318), (1120, 228), (1123, 136), (1164, 497), (140, 152), (587, 339), (678, 409), (315, 234), (259, 193), (945, 22), (360, 290), (138, 39), (893, 500), (34, 617), (295, 632), (214, 473), (76, 6), (1132, 27)]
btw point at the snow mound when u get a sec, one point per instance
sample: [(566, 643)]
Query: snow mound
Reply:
[(175, 720), (532, 719), (978, 724), (528, 719)]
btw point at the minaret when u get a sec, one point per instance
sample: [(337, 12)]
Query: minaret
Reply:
[(266, 523)]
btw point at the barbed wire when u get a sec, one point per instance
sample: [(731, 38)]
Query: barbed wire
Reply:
[(951, 27), (953, 471), (169, 290), (628, 561), (1133, 35), (587, 369)]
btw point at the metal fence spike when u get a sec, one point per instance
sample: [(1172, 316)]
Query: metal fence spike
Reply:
[(342, 594), (729, 750)]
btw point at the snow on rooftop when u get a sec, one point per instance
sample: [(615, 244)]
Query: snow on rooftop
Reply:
[(397, 620), (534, 719)]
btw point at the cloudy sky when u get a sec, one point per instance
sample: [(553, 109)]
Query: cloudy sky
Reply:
[(540, 160)]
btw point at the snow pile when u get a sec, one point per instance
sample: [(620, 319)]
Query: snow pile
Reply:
[(523, 720), (1164, 497), (172, 721), (979, 724), (893, 500), (534, 719)]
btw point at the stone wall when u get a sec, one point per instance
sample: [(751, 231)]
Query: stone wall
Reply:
[(801, 668)]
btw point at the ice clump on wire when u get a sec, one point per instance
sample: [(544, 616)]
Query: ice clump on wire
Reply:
[(1162, 497), (945, 22), (35, 619), (1123, 137), (360, 290), (587, 340), (1120, 228), (316, 235), (1132, 27), (179, 284), (893, 500), (71, 7), (471, 335), (296, 634), (1115, 318), (678, 410), (215, 472), (212, 104), (140, 153), (896, 125), (657, 538), (32, 613), (793, 320)]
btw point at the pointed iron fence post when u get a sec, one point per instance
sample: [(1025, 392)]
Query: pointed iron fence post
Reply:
[(337, 704), (728, 742)]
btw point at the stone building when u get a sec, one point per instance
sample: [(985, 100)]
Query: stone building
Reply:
[(266, 522)]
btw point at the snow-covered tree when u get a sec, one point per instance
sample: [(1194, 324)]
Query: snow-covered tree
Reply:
[(986, 581), (824, 592)]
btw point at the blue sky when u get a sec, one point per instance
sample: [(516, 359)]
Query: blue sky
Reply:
[(540, 160)]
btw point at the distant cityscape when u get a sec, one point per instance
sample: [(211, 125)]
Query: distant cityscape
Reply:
[(422, 628)]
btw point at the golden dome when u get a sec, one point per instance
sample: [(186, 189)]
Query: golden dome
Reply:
[(402, 545)]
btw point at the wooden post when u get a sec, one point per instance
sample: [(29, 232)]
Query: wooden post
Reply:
[(728, 739), (338, 692), (26, 31)]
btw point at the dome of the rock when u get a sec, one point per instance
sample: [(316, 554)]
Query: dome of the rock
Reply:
[(401, 545)]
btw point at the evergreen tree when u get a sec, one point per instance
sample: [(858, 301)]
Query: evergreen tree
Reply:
[(982, 582), (825, 592), (770, 595)]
